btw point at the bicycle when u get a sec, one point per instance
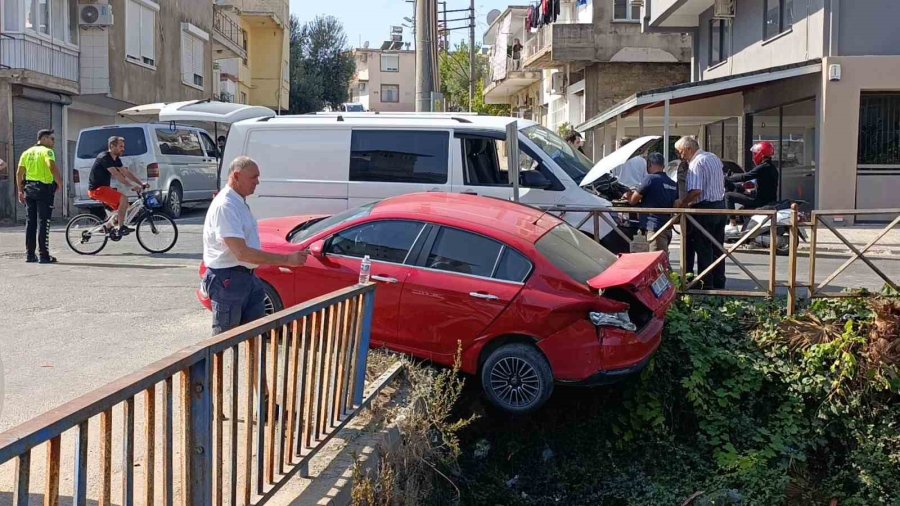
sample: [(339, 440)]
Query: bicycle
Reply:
[(156, 232)]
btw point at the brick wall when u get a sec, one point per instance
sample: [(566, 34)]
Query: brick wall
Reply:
[(607, 84)]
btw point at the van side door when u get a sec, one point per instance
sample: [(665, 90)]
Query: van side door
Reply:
[(210, 162), (389, 162), (181, 159)]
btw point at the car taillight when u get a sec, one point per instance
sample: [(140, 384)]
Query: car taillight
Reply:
[(153, 170), (76, 177)]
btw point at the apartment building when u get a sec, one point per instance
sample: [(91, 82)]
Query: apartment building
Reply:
[(252, 52), (575, 63), (69, 65), (818, 78), (385, 80)]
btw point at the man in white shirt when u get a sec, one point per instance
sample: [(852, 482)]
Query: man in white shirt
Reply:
[(231, 251)]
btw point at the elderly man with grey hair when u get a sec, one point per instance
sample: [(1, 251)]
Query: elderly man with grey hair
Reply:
[(657, 190), (705, 190), (231, 251)]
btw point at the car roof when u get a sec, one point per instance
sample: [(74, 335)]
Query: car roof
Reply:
[(507, 218), (461, 121), (140, 125)]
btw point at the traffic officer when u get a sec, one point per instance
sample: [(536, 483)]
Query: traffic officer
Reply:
[(37, 180)]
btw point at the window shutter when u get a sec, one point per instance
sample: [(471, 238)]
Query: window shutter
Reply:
[(187, 58), (148, 34), (133, 35), (199, 61)]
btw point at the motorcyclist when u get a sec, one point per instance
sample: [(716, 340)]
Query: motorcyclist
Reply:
[(766, 175)]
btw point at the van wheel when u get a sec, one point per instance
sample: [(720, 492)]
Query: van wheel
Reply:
[(174, 202), (517, 378)]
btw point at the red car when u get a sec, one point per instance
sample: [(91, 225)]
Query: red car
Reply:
[(532, 300)]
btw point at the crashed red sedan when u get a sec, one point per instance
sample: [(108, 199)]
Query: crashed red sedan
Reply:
[(532, 300)]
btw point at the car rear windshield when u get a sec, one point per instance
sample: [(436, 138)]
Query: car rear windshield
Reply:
[(93, 142), (574, 253), (312, 228)]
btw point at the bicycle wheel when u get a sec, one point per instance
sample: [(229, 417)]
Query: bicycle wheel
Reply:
[(157, 233), (85, 235)]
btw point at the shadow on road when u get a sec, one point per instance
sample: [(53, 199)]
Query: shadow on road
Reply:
[(123, 266)]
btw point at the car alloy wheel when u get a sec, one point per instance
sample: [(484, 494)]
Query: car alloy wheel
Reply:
[(517, 378), (515, 382)]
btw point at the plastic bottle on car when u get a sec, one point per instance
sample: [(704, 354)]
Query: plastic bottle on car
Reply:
[(364, 269)]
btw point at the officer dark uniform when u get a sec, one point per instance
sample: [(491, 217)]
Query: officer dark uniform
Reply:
[(38, 180)]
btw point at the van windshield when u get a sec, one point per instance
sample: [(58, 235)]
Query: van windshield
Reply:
[(570, 160), (312, 228), (93, 142)]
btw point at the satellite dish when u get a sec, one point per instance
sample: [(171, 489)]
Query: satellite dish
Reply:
[(492, 16), (366, 45)]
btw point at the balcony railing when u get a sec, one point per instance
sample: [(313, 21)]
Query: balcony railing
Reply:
[(512, 65), (25, 53), (227, 28), (542, 40)]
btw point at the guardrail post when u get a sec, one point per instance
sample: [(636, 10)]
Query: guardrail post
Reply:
[(198, 488), (684, 249), (363, 351), (794, 237), (813, 232)]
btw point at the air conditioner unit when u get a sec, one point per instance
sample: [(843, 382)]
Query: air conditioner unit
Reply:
[(95, 15), (723, 9), (558, 83)]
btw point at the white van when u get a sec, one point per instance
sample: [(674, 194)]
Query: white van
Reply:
[(180, 160), (326, 163)]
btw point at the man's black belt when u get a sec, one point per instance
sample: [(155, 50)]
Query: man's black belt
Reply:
[(239, 268)]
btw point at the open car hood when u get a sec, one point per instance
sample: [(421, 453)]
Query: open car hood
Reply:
[(617, 158)]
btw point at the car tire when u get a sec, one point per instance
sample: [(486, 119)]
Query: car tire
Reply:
[(516, 378), (273, 301), (175, 202)]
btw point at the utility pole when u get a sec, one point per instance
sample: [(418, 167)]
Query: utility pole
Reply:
[(471, 54), (424, 54)]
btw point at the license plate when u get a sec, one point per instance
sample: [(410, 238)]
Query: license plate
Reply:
[(661, 284)]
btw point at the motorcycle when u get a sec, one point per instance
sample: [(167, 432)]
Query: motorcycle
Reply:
[(762, 237)]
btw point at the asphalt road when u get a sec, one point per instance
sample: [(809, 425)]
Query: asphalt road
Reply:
[(66, 329)]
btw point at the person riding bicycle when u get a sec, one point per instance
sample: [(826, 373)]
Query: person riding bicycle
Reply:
[(107, 165)]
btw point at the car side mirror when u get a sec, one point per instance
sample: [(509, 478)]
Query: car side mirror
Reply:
[(534, 179), (317, 249)]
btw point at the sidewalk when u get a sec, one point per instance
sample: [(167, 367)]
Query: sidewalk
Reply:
[(859, 236)]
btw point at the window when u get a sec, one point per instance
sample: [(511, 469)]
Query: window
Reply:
[(93, 142), (43, 17), (140, 43), (399, 156), (722, 139), (570, 160), (246, 45), (512, 266), (574, 253), (463, 252), (384, 241), (179, 142), (485, 162), (209, 146), (312, 228), (879, 129), (243, 97), (623, 10), (362, 86), (55, 18), (390, 63), (390, 93), (193, 64), (779, 16), (719, 41)]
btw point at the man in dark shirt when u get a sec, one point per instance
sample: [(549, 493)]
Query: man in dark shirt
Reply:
[(766, 175), (107, 165), (659, 191)]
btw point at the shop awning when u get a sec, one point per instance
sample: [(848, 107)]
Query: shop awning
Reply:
[(700, 89)]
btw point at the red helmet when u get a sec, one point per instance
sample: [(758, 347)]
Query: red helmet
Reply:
[(761, 151)]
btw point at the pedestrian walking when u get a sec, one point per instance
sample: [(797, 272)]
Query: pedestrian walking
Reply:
[(231, 251), (37, 181), (657, 190), (705, 190)]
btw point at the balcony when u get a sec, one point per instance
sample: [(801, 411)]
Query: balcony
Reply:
[(560, 43), (676, 13), (42, 63), (228, 40), (508, 83)]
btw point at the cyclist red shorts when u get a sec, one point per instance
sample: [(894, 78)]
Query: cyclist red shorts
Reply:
[(107, 195)]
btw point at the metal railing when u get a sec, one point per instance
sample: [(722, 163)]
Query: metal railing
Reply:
[(227, 28), (309, 360), (38, 55), (541, 40)]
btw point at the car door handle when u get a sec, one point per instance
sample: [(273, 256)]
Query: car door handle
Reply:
[(285, 270), (485, 296), (469, 192), (385, 279)]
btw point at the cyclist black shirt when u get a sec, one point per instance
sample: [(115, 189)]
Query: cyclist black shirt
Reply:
[(100, 175)]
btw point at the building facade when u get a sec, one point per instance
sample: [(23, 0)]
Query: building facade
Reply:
[(385, 80), (818, 78), (579, 61)]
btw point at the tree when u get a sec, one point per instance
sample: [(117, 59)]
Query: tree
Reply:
[(454, 68), (321, 64)]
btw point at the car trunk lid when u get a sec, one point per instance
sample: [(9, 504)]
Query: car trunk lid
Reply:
[(646, 275)]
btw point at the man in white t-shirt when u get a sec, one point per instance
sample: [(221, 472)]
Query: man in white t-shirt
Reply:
[(231, 251)]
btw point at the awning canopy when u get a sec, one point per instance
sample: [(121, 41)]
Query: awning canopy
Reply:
[(698, 90)]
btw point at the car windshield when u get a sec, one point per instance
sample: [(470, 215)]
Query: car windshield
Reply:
[(312, 228), (572, 161), (574, 253)]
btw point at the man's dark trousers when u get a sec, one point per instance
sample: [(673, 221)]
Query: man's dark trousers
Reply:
[(39, 204), (706, 252), (237, 297)]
